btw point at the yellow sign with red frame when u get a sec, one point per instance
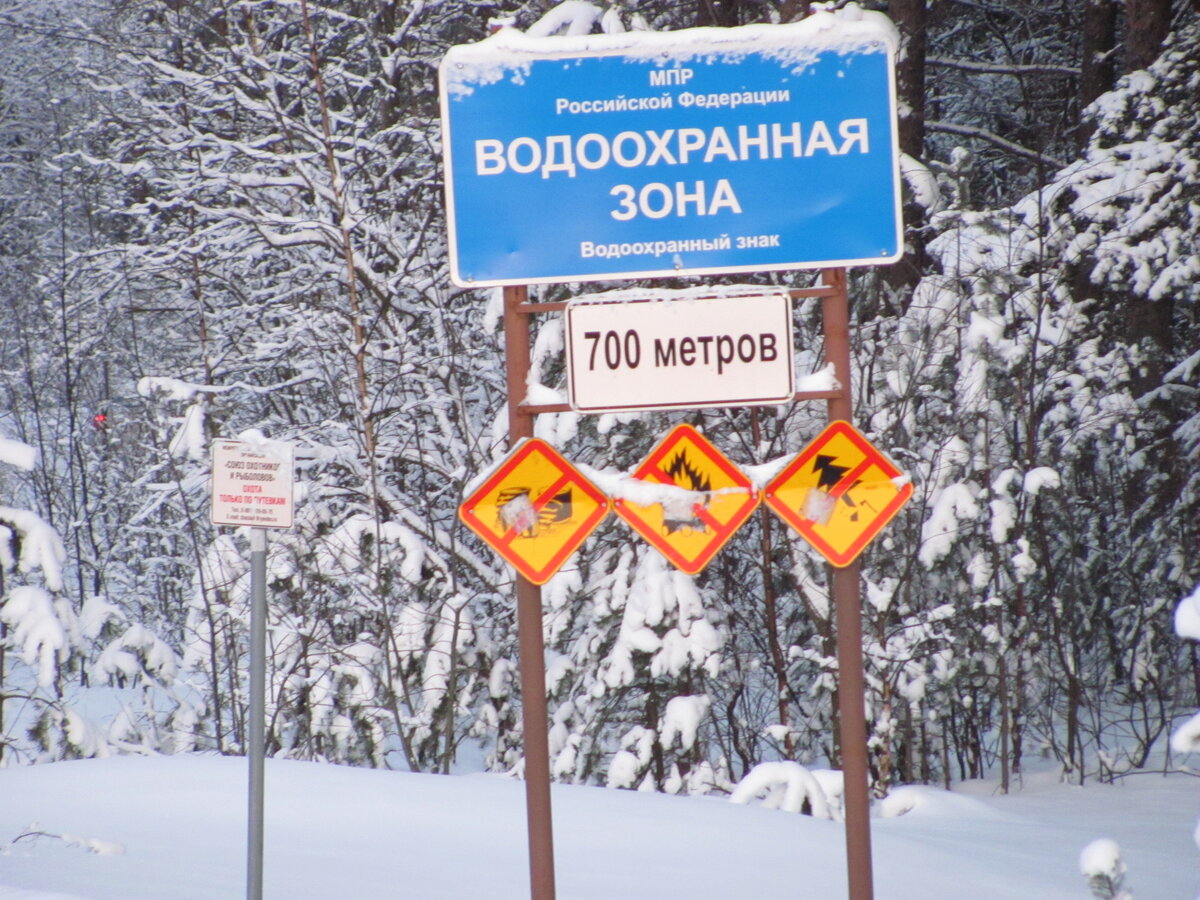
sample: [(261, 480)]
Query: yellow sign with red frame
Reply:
[(535, 510), (706, 499), (838, 493)]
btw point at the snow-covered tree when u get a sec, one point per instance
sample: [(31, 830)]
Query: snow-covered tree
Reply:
[(1043, 430), (36, 627), (221, 218), (281, 189)]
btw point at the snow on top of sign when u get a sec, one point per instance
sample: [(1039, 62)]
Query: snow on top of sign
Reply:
[(823, 379), (255, 441), (509, 52), (700, 292), (644, 492)]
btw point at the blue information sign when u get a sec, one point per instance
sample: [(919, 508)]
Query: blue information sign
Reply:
[(684, 153)]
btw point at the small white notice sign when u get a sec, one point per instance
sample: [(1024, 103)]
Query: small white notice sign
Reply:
[(252, 484), (679, 353)]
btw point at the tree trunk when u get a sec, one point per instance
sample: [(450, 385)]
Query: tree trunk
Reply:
[(726, 13), (1195, 671), (1147, 25), (1005, 725), (1074, 762), (771, 613), (658, 765), (885, 754), (1099, 70), (909, 16), (907, 769), (3, 672)]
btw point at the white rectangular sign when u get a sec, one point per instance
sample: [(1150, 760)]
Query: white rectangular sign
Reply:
[(679, 353), (251, 486)]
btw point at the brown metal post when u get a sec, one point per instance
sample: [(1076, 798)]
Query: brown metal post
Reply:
[(516, 361), (529, 626), (847, 599)]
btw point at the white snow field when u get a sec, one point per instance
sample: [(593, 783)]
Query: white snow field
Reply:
[(173, 828)]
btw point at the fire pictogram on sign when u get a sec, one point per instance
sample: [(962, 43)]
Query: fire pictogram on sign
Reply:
[(706, 501), (838, 493), (535, 510)]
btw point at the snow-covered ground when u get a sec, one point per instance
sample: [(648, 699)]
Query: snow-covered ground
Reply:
[(173, 828)]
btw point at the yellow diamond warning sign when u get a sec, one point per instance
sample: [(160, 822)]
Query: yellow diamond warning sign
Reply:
[(838, 493), (706, 500), (535, 510)]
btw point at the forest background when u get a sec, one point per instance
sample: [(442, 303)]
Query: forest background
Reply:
[(220, 218)]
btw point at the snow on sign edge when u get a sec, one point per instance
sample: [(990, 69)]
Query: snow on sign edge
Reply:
[(849, 29)]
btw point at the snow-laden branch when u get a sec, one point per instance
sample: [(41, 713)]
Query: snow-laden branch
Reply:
[(983, 134), (790, 786), (1014, 69), (571, 17), (18, 453)]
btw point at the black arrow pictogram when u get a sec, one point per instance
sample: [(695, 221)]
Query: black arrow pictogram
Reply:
[(830, 476)]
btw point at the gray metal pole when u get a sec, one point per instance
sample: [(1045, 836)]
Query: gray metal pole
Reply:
[(255, 721)]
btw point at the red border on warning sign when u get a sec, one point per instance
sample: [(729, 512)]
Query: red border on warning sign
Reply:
[(871, 457), (722, 531), (505, 543)]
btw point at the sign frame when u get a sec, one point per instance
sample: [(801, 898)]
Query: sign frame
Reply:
[(596, 137)]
